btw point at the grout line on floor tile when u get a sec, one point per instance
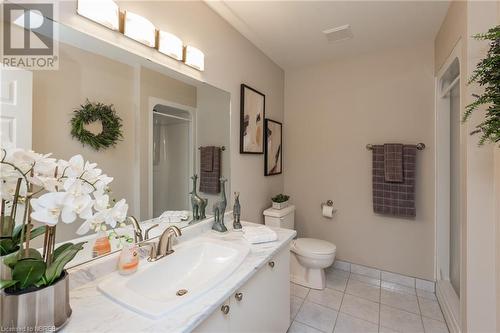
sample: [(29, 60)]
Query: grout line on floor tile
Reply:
[(421, 317), (340, 307), (380, 303)]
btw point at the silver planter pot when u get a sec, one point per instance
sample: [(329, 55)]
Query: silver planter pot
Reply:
[(41, 310)]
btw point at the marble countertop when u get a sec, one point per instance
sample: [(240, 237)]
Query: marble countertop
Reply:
[(94, 312)]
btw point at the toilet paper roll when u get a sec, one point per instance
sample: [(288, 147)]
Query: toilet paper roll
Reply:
[(327, 211)]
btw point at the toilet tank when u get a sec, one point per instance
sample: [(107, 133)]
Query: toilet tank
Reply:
[(280, 218)]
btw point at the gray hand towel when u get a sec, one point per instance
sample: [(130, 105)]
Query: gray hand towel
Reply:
[(209, 180), (207, 158), (396, 199), (393, 162)]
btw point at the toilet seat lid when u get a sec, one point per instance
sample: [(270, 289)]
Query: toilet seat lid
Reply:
[(314, 246)]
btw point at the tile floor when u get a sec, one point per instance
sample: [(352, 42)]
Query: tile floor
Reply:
[(356, 303)]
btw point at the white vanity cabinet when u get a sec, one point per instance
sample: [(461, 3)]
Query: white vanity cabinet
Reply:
[(261, 305)]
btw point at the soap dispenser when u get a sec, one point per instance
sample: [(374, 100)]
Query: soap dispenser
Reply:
[(128, 262)]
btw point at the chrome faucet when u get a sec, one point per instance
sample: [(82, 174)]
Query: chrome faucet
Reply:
[(138, 236), (165, 242), (164, 247)]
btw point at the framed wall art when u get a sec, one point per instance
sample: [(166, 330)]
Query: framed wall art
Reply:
[(273, 148), (253, 105)]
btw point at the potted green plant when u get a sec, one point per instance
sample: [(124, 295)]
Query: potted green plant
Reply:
[(280, 201), (487, 75), (37, 292)]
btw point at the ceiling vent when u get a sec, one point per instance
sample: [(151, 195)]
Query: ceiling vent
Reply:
[(339, 33)]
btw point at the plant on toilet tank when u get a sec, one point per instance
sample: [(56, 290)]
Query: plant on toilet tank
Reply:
[(280, 201), (48, 191)]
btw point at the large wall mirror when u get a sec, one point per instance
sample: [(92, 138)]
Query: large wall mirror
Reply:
[(166, 119)]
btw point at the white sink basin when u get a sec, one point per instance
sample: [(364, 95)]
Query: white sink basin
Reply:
[(196, 266)]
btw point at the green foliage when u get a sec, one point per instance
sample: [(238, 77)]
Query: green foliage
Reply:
[(91, 112), (64, 256), (487, 75), (7, 246), (11, 245), (30, 270), (280, 198)]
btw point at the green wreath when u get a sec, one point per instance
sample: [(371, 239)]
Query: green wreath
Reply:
[(91, 112)]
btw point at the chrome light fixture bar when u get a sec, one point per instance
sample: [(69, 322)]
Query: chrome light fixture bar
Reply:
[(104, 12)]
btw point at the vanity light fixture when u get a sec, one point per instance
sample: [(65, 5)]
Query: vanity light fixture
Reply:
[(104, 12), (193, 57), (170, 45), (139, 29)]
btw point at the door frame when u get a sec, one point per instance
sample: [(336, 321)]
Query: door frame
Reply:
[(152, 101), (447, 297)]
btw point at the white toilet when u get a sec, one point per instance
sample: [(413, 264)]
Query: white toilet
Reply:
[(309, 257)]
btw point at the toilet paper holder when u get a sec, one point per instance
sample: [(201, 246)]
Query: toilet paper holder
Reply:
[(328, 203)]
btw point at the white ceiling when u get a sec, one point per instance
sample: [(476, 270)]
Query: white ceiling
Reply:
[(290, 32)]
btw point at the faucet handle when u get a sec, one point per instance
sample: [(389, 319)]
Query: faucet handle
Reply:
[(153, 255), (146, 234)]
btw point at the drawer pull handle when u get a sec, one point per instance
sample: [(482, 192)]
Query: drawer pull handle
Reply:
[(225, 309), (238, 296), (271, 264)]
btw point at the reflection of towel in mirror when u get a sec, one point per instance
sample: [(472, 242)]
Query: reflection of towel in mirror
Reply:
[(261, 234), (174, 216), (210, 169)]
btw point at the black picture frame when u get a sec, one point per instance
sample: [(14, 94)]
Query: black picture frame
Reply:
[(244, 96), (269, 126)]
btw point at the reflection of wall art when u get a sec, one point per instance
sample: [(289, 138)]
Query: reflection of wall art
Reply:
[(274, 148), (252, 121)]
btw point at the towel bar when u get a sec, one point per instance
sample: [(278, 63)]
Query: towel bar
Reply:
[(223, 148), (420, 146)]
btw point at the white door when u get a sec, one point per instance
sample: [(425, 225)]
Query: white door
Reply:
[(16, 93)]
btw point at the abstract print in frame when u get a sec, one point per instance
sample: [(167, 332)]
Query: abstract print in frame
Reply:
[(252, 121), (273, 148)]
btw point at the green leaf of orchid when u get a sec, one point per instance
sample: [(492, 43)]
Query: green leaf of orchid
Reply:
[(7, 283), (28, 271), (65, 256)]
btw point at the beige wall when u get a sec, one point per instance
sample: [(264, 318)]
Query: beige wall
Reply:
[(230, 60), (83, 75), (481, 236), (332, 111)]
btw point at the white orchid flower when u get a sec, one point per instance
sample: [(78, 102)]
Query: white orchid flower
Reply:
[(91, 223), (101, 200), (8, 188), (117, 214), (75, 166), (76, 187), (25, 159), (48, 207), (80, 206), (103, 182)]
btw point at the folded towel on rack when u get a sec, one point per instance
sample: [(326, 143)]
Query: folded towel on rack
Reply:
[(396, 199), (261, 234), (209, 180), (393, 162), (175, 216)]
